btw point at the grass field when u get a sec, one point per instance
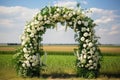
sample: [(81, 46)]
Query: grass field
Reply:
[(60, 64)]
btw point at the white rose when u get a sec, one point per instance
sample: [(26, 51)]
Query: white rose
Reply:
[(90, 44), (79, 22), (90, 61), (36, 22), (70, 23), (58, 9), (88, 29), (25, 50), (85, 34), (34, 64), (70, 15), (65, 16), (91, 67), (26, 55), (86, 24), (85, 56), (23, 65), (87, 40), (83, 29), (84, 45), (82, 38), (40, 17), (32, 23), (48, 22), (31, 35), (28, 30), (27, 63), (23, 43), (42, 28)]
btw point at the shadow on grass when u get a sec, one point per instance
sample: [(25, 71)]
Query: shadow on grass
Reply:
[(109, 75), (66, 75), (59, 75)]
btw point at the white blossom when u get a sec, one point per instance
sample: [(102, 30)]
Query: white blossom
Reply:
[(90, 44), (85, 34), (90, 61), (79, 22), (82, 38), (27, 63), (25, 50), (23, 65), (28, 30), (31, 35), (40, 17), (87, 40), (83, 29), (70, 23), (26, 55), (84, 45), (86, 24)]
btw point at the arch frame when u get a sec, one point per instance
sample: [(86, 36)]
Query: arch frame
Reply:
[(28, 63)]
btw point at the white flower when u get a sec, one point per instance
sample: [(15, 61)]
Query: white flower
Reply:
[(36, 22), (25, 50), (85, 34), (86, 24), (26, 55), (40, 17), (83, 61), (84, 45), (95, 64), (31, 35), (23, 43), (23, 65), (34, 57), (32, 23), (83, 29), (79, 22), (85, 56), (88, 29), (65, 16), (70, 15), (90, 61), (28, 30), (23, 37), (90, 44), (58, 9), (89, 57), (70, 23), (87, 40), (91, 67), (48, 22), (34, 64), (42, 28), (82, 38), (27, 63)]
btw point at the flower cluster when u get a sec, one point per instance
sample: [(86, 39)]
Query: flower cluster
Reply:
[(48, 17)]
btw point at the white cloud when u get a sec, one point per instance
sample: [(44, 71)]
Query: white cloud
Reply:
[(114, 30), (84, 2), (12, 21), (103, 16), (66, 3)]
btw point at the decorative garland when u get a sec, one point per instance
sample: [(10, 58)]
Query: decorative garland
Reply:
[(28, 63)]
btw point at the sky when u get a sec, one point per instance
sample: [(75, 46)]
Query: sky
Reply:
[(15, 13)]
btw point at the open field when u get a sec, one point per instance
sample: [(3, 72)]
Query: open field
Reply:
[(60, 64), (67, 48)]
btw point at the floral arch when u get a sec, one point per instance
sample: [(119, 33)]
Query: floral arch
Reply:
[(28, 57)]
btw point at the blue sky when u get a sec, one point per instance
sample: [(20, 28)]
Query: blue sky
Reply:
[(15, 13)]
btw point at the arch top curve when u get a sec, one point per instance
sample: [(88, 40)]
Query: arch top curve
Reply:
[(87, 54)]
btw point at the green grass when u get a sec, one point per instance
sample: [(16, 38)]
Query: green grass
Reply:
[(59, 65)]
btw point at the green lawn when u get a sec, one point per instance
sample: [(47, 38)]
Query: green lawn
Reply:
[(59, 65)]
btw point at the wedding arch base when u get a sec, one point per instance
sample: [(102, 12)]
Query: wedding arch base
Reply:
[(28, 59)]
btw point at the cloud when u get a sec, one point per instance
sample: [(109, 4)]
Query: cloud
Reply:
[(84, 2), (103, 16), (66, 3), (12, 21), (114, 30)]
